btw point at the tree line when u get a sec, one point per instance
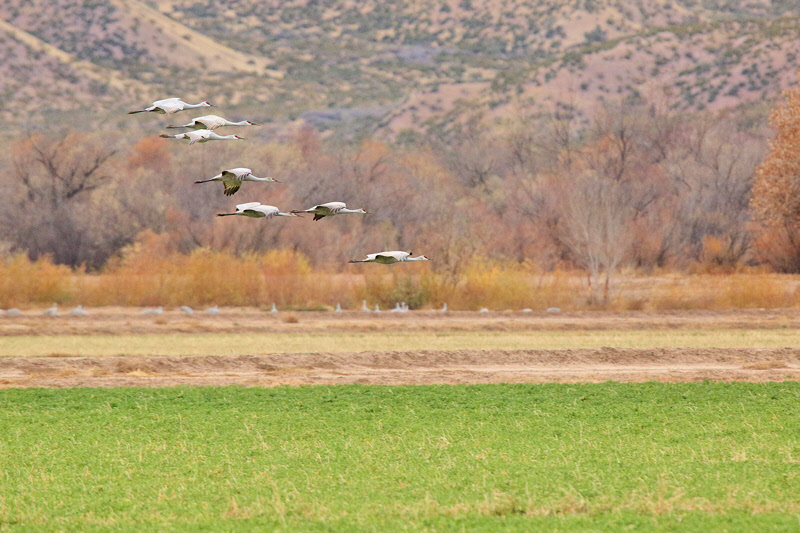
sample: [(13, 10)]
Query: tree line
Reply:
[(637, 187)]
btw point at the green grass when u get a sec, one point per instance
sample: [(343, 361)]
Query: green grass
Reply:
[(599, 457), (235, 344)]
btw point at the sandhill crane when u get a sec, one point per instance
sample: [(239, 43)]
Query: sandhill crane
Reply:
[(169, 106), (201, 136), (186, 309), (150, 311), (329, 209), (257, 210), (389, 258), (53, 311), (79, 311), (212, 310), (212, 122), (233, 177), (13, 312)]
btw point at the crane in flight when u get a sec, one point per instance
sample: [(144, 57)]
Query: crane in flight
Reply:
[(328, 210), (169, 106), (257, 210), (233, 178), (390, 258), (200, 136), (212, 122)]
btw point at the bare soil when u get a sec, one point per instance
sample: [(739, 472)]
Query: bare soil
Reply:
[(404, 368), (396, 368), (119, 321)]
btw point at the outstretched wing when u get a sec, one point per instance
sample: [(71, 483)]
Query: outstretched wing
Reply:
[(231, 186), (248, 205)]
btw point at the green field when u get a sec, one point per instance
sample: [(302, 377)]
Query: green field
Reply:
[(177, 344), (599, 457)]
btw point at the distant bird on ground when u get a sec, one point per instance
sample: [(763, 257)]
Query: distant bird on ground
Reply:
[(400, 307), (553, 310), (186, 309), (212, 122), (444, 308), (389, 258), (377, 309), (13, 312), (338, 308), (79, 311), (364, 306), (168, 106), (2, 312), (483, 310), (257, 210), (274, 309), (212, 310), (232, 179), (200, 136), (527, 310), (53, 311), (329, 209), (150, 311)]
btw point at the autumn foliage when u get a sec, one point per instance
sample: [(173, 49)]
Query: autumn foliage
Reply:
[(776, 193)]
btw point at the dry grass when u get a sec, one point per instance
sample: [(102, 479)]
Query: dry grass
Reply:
[(181, 344), (765, 365), (150, 276)]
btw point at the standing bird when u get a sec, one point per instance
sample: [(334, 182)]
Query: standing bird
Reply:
[(389, 258), (329, 209), (212, 122), (52, 311), (200, 136), (257, 210), (233, 177), (79, 311), (169, 106)]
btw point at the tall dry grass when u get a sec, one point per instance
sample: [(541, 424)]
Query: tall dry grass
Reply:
[(149, 275)]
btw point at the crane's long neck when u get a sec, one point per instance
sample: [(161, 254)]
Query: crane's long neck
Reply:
[(193, 106), (420, 258), (346, 210), (218, 137), (240, 123), (280, 214), (253, 178)]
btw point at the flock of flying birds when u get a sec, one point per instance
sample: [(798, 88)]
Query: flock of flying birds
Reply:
[(202, 131)]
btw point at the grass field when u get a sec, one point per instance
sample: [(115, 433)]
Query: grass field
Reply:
[(257, 344), (681, 457)]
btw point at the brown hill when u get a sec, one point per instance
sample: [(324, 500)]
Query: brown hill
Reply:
[(393, 65)]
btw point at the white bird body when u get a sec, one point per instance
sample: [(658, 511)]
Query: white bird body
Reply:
[(274, 308), (444, 308), (338, 308), (329, 209), (257, 210), (233, 178), (13, 312), (212, 122), (53, 311), (364, 307), (186, 309), (169, 106), (157, 311), (213, 310), (79, 311), (201, 136), (389, 258)]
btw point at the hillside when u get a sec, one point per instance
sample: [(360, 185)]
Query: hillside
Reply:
[(392, 66)]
